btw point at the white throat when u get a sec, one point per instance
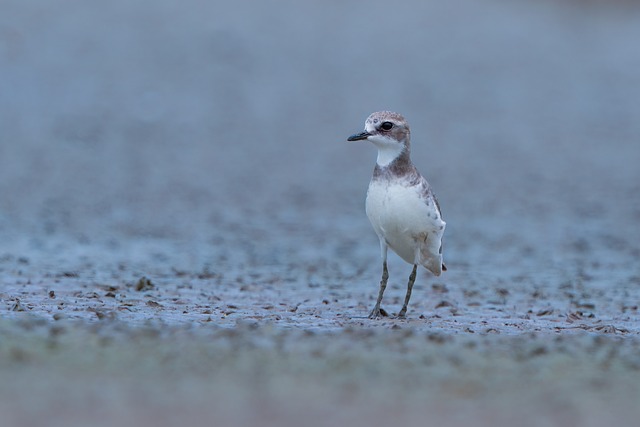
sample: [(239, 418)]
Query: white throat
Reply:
[(387, 153)]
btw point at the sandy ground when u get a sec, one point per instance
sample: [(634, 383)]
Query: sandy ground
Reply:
[(182, 230)]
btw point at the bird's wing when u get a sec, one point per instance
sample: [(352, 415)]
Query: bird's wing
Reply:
[(430, 199), (427, 194)]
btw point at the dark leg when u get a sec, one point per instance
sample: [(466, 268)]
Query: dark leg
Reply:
[(412, 279), (375, 313)]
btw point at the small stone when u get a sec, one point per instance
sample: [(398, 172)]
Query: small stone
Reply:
[(144, 284), (18, 306)]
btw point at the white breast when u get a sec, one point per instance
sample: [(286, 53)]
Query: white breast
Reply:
[(410, 224)]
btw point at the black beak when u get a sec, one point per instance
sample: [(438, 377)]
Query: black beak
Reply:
[(359, 136)]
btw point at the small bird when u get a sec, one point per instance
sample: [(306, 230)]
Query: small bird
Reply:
[(400, 204)]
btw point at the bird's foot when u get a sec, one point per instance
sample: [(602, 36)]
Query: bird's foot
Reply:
[(377, 313), (402, 314)]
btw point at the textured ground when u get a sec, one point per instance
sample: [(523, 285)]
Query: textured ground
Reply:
[(182, 231)]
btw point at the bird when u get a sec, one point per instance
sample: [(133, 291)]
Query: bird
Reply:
[(400, 204)]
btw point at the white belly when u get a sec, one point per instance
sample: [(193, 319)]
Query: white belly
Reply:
[(410, 225)]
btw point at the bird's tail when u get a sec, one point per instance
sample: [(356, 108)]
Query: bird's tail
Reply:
[(434, 265)]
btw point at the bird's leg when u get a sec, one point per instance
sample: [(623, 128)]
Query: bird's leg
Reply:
[(412, 279), (376, 313)]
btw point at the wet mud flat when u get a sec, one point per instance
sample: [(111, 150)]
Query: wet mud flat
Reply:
[(111, 373), (175, 346)]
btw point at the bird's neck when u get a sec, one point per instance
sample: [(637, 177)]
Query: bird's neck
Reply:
[(389, 152), (399, 166)]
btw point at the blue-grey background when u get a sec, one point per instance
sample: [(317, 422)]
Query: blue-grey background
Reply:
[(216, 130)]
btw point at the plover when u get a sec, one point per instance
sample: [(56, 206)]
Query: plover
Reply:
[(400, 204)]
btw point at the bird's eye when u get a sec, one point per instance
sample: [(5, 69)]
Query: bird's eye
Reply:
[(386, 126)]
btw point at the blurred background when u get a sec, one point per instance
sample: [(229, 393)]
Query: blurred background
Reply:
[(216, 131)]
